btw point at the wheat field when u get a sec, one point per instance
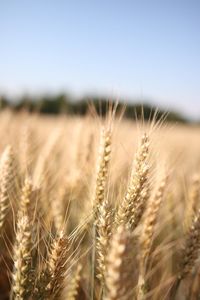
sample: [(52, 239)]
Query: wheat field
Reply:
[(98, 208)]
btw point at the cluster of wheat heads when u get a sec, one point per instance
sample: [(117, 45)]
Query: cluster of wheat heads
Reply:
[(98, 209)]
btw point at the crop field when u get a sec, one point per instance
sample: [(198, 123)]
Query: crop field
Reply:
[(98, 208)]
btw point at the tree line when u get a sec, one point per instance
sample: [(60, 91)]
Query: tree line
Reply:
[(63, 104)]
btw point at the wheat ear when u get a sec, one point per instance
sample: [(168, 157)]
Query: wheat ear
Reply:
[(26, 205), (22, 279), (74, 283), (147, 235), (193, 201), (119, 269), (58, 209), (6, 181), (134, 198), (100, 189), (192, 246), (151, 219), (102, 167), (104, 227), (25, 148), (190, 254), (57, 265)]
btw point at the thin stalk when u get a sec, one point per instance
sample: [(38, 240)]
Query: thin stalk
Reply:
[(174, 288), (93, 261)]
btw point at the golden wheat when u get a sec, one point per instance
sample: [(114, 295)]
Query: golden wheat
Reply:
[(119, 229)]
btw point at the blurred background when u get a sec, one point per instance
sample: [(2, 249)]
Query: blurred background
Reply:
[(55, 56)]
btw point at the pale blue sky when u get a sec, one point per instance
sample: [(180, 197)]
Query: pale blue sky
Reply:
[(146, 49)]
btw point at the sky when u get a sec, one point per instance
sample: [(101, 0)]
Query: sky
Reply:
[(144, 49)]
